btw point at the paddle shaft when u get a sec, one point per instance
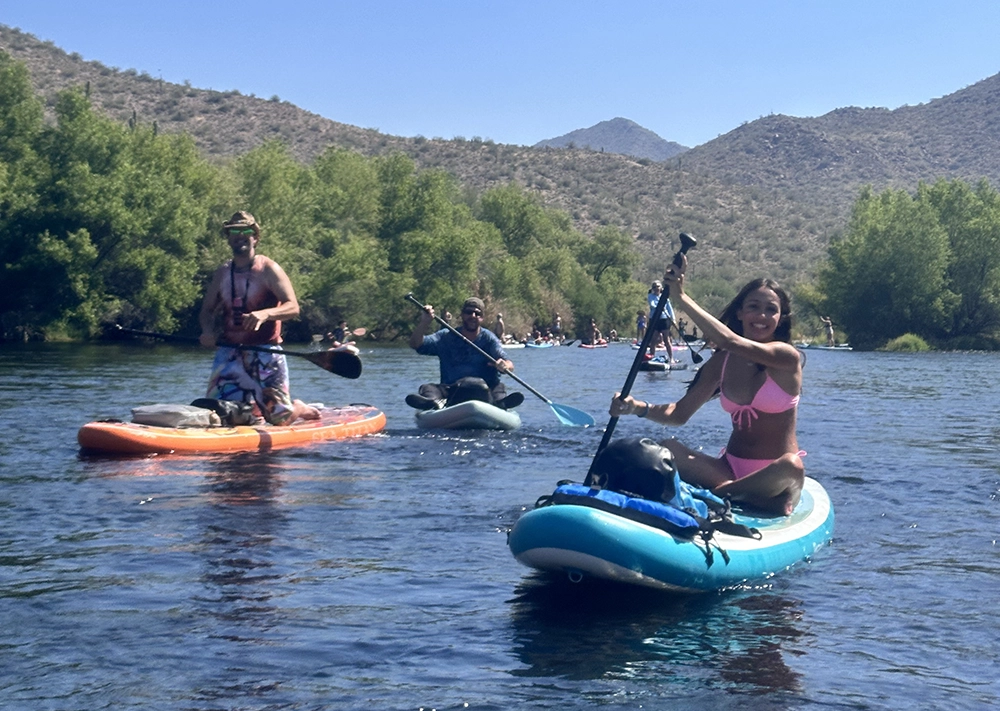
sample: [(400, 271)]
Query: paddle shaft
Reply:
[(647, 338), (338, 362), (695, 357), (491, 359), (191, 339)]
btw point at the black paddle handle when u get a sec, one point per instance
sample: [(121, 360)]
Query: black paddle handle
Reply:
[(687, 242), (158, 336)]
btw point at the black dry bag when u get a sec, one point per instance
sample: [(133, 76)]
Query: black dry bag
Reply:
[(231, 413), (636, 466)]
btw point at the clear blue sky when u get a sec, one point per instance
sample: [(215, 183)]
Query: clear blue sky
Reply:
[(520, 71)]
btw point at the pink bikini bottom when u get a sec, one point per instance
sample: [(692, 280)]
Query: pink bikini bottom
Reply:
[(745, 467)]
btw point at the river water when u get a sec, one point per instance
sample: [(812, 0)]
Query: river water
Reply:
[(374, 573)]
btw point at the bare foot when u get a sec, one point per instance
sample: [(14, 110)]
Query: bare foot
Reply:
[(303, 411), (783, 504), (792, 501)]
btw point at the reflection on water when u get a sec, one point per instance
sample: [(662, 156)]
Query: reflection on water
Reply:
[(371, 574), (241, 522), (600, 630), (243, 526)]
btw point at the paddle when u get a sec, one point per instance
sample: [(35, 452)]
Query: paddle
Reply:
[(339, 362), (566, 414), (357, 332), (695, 357), (687, 242)]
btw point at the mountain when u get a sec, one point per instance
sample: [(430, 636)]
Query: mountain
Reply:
[(222, 123), (763, 199), (830, 157), (618, 135)]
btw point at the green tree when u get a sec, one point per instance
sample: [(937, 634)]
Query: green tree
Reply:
[(612, 252), (20, 172), (887, 275), (534, 265), (20, 124), (971, 217), (115, 227), (346, 187), (350, 265), (524, 224), (431, 238)]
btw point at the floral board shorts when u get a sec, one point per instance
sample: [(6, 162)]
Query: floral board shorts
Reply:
[(253, 377)]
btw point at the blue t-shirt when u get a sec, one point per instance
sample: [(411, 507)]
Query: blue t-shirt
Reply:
[(460, 360), (668, 310)]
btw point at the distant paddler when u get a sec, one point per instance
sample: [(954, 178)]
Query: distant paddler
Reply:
[(828, 325)]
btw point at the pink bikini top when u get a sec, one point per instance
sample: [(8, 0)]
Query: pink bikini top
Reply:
[(769, 398)]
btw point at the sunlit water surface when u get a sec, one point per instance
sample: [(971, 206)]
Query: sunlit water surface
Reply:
[(374, 573)]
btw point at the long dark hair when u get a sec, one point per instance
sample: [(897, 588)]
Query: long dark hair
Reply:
[(728, 316), (784, 330)]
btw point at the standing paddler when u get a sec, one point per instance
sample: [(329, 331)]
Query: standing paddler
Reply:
[(253, 295)]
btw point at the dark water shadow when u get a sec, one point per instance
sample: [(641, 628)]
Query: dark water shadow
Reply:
[(600, 630), (243, 575), (240, 524)]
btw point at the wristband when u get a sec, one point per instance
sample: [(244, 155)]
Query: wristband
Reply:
[(645, 410)]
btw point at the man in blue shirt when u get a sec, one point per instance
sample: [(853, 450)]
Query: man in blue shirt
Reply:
[(465, 373)]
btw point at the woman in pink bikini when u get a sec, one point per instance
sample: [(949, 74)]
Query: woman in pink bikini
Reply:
[(757, 374)]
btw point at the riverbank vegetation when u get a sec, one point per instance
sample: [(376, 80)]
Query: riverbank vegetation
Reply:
[(907, 343), (106, 223), (926, 264)]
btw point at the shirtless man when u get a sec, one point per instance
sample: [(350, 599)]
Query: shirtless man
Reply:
[(253, 295)]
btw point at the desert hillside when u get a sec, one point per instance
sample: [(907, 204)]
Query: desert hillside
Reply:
[(765, 197)]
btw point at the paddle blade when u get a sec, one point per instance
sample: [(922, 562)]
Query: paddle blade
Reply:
[(339, 362), (571, 416)]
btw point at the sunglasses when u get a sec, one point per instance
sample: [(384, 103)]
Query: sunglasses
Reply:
[(246, 231), (472, 312)]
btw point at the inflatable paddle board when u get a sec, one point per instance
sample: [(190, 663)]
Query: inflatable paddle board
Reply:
[(116, 437), (582, 541), (470, 415)]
